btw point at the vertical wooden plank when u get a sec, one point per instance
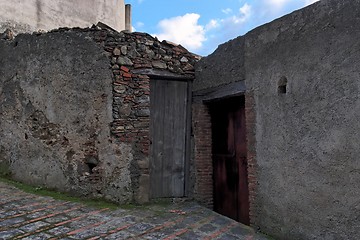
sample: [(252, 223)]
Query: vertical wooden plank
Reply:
[(162, 123), (188, 139), (154, 135), (180, 138), (157, 98), (175, 139), (167, 134), (152, 139)]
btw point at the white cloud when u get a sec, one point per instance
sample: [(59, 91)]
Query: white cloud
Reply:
[(277, 8), (139, 24), (243, 15), (278, 3), (227, 28), (212, 25), (184, 30), (251, 14), (245, 12), (275, 5), (187, 31), (308, 2), (227, 10)]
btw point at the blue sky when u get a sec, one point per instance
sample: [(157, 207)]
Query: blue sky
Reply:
[(201, 25)]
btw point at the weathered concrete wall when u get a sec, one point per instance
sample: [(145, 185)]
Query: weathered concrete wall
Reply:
[(224, 66), (34, 15), (76, 117), (306, 140), (55, 114)]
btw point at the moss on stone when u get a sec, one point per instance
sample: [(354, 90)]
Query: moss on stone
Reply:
[(97, 203)]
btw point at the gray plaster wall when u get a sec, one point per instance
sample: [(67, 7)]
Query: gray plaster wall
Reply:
[(307, 140), (55, 115), (224, 66), (34, 15)]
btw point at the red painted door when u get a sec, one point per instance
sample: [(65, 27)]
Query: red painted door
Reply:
[(231, 196)]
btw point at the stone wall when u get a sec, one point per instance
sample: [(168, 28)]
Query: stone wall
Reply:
[(131, 54), (34, 15), (76, 117), (302, 111)]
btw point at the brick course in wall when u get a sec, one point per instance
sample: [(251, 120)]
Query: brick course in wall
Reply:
[(203, 191), (250, 121)]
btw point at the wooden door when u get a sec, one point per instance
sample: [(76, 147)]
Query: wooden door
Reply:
[(229, 159), (168, 131)]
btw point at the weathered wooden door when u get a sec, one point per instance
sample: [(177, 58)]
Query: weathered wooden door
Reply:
[(168, 130), (229, 159)]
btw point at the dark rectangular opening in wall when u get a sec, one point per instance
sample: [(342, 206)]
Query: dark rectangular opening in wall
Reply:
[(231, 195)]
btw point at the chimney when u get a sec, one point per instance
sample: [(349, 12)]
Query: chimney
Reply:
[(128, 26)]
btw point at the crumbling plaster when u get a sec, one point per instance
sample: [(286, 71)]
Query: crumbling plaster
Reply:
[(73, 114), (55, 108)]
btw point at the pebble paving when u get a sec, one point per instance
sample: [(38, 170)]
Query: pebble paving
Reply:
[(28, 216)]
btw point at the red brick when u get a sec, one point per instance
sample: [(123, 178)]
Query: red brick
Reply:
[(250, 119), (125, 69), (126, 75), (203, 156)]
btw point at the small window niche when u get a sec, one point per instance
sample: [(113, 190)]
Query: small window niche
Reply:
[(282, 85)]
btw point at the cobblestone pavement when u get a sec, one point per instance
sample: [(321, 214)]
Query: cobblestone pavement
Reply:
[(29, 216)]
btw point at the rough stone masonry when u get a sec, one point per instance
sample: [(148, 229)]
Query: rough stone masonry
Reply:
[(74, 116)]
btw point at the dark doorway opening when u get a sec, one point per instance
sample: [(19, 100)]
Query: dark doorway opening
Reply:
[(231, 195)]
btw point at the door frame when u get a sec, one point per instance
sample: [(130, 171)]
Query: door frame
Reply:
[(240, 203)]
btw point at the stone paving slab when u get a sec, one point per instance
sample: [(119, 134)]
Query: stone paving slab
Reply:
[(28, 216)]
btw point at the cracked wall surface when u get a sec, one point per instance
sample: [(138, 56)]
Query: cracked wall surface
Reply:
[(55, 111), (74, 113)]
